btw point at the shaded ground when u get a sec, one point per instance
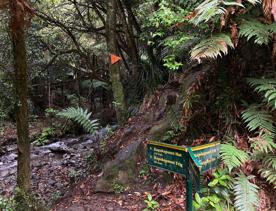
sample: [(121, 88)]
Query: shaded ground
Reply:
[(55, 167), (84, 198)]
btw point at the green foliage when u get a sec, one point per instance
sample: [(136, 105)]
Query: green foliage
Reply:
[(209, 9), (220, 177), (246, 193), (73, 175), (7, 204), (217, 195), (50, 112), (118, 188), (258, 119), (232, 157), (212, 47), (266, 87), (268, 169), (171, 63), (44, 136), (80, 116), (263, 143), (261, 33), (144, 171), (151, 203), (211, 202)]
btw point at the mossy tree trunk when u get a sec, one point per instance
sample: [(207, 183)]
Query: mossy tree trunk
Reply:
[(114, 69), (17, 25)]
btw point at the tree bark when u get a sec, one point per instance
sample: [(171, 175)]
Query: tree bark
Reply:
[(21, 93), (114, 69)]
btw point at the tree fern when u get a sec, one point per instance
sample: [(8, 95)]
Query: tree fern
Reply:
[(257, 119), (212, 47), (80, 116), (257, 30), (246, 193), (267, 87), (232, 157)]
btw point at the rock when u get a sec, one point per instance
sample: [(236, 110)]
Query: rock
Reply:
[(123, 169), (159, 129), (11, 157), (58, 147)]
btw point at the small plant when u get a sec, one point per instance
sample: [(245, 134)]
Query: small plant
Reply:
[(50, 112), (211, 202), (118, 188), (90, 157), (80, 116), (151, 203), (56, 195), (7, 204), (73, 175), (217, 195), (43, 138), (144, 171)]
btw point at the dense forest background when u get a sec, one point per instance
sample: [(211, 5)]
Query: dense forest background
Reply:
[(189, 72)]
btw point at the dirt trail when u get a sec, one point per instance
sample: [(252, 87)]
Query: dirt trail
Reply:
[(83, 196)]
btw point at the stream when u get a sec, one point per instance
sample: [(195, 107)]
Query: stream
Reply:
[(55, 167)]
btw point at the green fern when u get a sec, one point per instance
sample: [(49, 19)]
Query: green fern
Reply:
[(210, 9), (254, 2), (270, 160), (257, 119), (80, 116), (267, 87), (232, 157), (246, 193), (263, 143), (268, 169), (257, 30), (212, 47)]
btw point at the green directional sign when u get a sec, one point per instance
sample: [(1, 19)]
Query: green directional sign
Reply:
[(168, 157), (194, 169), (208, 155), (187, 161)]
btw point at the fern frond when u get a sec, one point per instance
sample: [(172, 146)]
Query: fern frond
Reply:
[(260, 32), (211, 8), (268, 168), (269, 175), (254, 2), (267, 87), (206, 10), (270, 161), (263, 143), (80, 116), (246, 193), (232, 157), (257, 119), (212, 47)]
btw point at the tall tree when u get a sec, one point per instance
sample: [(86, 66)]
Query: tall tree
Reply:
[(114, 69), (18, 11)]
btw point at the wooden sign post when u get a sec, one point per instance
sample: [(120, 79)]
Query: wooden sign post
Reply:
[(189, 162)]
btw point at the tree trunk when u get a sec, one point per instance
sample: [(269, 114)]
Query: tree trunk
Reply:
[(21, 93), (114, 69)]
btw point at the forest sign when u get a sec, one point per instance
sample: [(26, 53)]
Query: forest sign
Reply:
[(186, 161)]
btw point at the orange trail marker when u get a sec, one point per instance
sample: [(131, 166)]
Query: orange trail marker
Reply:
[(114, 58)]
